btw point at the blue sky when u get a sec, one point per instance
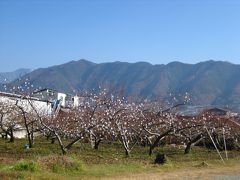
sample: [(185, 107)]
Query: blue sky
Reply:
[(42, 33)]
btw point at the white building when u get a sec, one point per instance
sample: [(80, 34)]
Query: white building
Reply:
[(65, 100), (45, 101), (26, 103)]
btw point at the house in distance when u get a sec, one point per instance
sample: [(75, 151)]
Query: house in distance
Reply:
[(65, 100)]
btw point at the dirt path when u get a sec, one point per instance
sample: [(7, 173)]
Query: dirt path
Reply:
[(216, 173)]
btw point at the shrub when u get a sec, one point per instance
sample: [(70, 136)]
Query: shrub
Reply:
[(25, 166), (60, 164), (160, 159)]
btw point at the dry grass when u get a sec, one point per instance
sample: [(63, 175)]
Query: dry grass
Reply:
[(8, 175), (59, 164)]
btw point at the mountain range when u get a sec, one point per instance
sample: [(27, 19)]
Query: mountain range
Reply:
[(7, 77), (207, 83)]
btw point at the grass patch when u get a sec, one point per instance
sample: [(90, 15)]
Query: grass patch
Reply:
[(60, 164), (24, 165), (83, 162)]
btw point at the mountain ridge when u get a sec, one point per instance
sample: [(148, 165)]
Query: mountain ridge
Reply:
[(7, 77), (209, 82)]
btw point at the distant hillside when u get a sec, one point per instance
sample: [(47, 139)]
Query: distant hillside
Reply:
[(210, 82), (6, 77)]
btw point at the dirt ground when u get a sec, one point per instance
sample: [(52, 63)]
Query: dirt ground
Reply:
[(206, 173)]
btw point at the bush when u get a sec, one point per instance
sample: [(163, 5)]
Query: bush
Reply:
[(60, 164), (160, 159), (25, 166)]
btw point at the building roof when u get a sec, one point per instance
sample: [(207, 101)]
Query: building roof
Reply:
[(13, 95), (45, 89)]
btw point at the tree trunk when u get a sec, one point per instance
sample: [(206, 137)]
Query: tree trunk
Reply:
[(195, 140), (32, 134), (150, 150), (48, 136), (6, 136), (217, 142), (29, 140), (11, 136), (127, 152), (156, 142), (96, 145), (188, 148), (63, 149), (27, 127), (92, 140)]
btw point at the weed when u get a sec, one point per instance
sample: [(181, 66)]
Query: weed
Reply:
[(60, 164), (24, 165)]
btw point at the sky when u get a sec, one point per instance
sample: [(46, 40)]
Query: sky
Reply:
[(42, 33)]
